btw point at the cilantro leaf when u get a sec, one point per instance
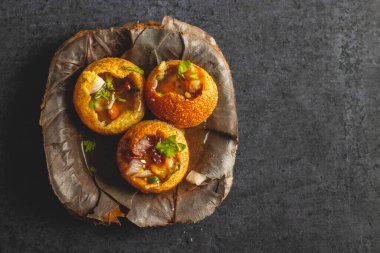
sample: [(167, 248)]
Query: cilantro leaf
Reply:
[(154, 179), (92, 169), (134, 69), (88, 145), (107, 92), (181, 146), (183, 67), (168, 147), (109, 82), (193, 76), (91, 104), (120, 99), (165, 148), (103, 93), (172, 138)]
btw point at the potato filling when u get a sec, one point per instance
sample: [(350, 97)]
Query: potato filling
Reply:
[(112, 96), (183, 79), (153, 158)]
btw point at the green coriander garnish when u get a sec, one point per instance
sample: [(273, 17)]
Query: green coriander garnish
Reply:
[(181, 146), (154, 180), (91, 104), (173, 169), (102, 93), (109, 83), (134, 69), (120, 99), (107, 92), (169, 146), (160, 94), (92, 169), (193, 76), (88, 145), (183, 67)]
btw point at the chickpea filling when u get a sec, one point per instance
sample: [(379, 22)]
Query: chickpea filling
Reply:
[(183, 79), (112, 96), (153, 158)]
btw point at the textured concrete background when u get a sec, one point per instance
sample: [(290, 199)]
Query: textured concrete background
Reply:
[(307, 79)]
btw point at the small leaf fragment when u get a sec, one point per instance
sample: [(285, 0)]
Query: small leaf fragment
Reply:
[(92, 169), (134, 69), (194, 76), (154, 179), (168, 147), (181, 146), (91, 104), (120, 99), (109, 83), (183, 67), (88, 145)]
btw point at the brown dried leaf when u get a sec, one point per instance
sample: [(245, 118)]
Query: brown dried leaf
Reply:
[(212, 146)]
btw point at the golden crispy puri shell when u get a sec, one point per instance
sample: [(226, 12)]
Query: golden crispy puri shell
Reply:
[(174, 108), (82, 96), (139, 131)]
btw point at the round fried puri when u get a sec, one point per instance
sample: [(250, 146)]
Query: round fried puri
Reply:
[(176, 108), (118, 68), (131, 142)]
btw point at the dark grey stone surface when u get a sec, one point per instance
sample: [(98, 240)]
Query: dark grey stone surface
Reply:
[(307, 79)]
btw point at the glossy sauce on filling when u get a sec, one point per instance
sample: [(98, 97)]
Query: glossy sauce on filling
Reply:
[(189, 85), (147, 163), (124, 90)]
